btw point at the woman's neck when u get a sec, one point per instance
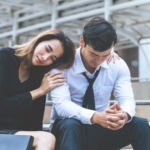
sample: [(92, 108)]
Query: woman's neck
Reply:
[(24, 72)]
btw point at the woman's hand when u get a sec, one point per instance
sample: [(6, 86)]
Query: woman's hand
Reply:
[(50, 81), (112, 54)]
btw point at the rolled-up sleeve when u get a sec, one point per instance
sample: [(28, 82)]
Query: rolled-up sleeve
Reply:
[(65, 108), (123, 90)]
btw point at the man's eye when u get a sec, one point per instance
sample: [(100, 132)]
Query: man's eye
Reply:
[(92, 54)]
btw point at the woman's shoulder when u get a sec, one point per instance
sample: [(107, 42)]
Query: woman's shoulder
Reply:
[(6, 56), (6, 53)]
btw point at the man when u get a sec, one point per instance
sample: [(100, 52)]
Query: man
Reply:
[(81, 117)]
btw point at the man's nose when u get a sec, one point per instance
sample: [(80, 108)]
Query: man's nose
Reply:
[(99, 60)]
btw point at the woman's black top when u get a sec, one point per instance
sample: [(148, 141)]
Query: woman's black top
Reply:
[(17, 110)]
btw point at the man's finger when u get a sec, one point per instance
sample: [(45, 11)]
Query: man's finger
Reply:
[(113, 106), (113, 125), (118, 107), (120, 115), (121, 122), (110, 111), (113, 118), (111, 128)]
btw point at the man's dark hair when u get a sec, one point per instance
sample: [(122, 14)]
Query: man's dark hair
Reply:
[(99, 34)]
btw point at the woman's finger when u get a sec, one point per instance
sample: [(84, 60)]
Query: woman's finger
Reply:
[(55, 73), (109, 58), (58, 77), (117, 57), (59, 81), (47, 74), (114, 58)]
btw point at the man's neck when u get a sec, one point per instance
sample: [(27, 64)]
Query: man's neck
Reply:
[(85, 63)]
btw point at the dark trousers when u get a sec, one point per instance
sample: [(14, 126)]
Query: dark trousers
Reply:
[(71, 134)]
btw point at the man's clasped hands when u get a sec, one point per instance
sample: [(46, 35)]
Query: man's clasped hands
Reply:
[(113, 117)]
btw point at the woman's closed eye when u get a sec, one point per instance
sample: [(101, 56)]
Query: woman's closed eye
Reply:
[(47, 49), (53, 59)]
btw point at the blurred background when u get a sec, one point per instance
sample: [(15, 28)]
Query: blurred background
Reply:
[(21, 20)]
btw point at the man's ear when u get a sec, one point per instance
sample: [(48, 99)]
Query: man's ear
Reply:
[(81, 42)]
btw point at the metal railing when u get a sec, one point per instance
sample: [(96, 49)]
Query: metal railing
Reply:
[(141, 79)]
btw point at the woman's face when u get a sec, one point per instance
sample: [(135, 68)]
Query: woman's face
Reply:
[(47, 52)]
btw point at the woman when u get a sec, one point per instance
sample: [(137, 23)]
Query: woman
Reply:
[(23, 87)]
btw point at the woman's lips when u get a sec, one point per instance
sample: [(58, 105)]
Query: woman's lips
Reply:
[(38, 60)]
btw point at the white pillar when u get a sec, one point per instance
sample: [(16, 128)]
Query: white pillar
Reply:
[(144, 67), (10, 43), (107, 13), (15, 27), (54, 14)]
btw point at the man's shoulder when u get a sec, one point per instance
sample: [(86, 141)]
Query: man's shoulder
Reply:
[(118, 64), (118, 68), (64, 71)]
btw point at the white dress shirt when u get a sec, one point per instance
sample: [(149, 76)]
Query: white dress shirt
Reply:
[(67, 99)]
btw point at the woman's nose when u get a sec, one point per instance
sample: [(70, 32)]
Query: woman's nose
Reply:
[(45, 57)]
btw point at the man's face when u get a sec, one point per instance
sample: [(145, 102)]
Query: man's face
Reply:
[(91, 57)]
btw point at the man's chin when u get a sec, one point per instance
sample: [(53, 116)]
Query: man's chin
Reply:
[(94, 66)]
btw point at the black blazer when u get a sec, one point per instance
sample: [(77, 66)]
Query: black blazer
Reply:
[(17, 110)]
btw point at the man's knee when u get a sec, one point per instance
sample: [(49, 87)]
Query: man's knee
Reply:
[(140, 123), (72, 124)]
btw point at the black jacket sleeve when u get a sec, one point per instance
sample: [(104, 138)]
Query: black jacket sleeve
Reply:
[(14, 103)]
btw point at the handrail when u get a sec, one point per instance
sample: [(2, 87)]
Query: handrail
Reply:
[(111, 101), (137, 78)]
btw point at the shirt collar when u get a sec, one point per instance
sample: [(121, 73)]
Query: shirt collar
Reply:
[(80, 66), (78, 62)]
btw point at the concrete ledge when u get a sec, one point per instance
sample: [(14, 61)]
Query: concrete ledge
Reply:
[(138, 102)]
